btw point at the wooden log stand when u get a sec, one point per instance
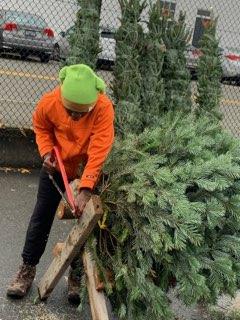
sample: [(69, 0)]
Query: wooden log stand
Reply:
[(97, 298), (63, 213), (65, 252), (71, 247)]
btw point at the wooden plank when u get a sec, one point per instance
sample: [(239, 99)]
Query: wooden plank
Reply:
[(99, 283), (234, 304), (57, 249), (97, 299), (71, 247), (64, 212)]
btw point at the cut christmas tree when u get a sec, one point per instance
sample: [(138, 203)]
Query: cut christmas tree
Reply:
[(171, 200), (152, 60), (127, 76), (209, 73), (176, 75), (170, 189), (84, 41)]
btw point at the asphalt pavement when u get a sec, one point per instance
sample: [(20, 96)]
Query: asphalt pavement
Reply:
[(17, 198)]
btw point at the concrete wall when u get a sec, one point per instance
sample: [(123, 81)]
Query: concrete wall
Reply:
[(17, 150), (227, 11)]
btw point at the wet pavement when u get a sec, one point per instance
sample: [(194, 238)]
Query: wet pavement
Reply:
[(17, 198)]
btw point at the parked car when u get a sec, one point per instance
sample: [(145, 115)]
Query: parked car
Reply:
[(230, 62), (107, 44), (192, 55), (26, 34), (230, 58)]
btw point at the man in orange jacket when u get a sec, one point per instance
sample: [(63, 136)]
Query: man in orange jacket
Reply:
[(77, 117)]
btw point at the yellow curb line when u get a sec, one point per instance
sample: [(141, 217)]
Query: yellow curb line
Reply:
[(27, 75), (52, 78)]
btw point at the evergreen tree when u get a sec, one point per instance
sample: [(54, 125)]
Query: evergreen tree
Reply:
[(175, 73), (152, 58), (171, 211), (85, 39), (209, 73), (127, 77), (170, 193)]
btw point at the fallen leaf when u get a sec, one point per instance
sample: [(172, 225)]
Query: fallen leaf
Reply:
[(23, 171), (23, 132)]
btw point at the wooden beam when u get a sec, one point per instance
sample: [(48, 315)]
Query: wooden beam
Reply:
[(62, 211), (97, 299), (99, 284), (234, 305), (57, 249), (71, 247)]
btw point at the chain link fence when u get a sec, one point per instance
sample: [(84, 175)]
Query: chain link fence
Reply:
[(34, 40)]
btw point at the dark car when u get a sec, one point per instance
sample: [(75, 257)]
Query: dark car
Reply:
[(25, 34)]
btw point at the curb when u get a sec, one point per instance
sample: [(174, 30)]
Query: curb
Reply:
[(18, 149)]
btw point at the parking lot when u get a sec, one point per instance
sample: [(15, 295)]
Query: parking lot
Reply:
[(21, 85), (22, 82)]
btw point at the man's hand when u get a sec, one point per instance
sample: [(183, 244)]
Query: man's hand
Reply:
[(81, 200), (49, 163)]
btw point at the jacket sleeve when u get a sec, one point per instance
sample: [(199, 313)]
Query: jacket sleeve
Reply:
[(43, 129), (101, 141)]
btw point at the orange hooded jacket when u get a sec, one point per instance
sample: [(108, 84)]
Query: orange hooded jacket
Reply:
[(86, 141)]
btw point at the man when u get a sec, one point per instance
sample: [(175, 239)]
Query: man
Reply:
[(77, 117)]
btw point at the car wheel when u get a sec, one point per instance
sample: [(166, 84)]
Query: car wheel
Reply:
[(45, 58), (56, 53)]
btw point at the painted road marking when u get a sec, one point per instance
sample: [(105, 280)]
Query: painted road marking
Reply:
[(26, 75), (18, 102), (231, 102), (223, 102), (15, 73)]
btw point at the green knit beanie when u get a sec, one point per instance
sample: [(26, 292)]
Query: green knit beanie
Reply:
[(80, 84)]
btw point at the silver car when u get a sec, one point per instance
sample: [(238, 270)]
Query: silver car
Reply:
[(25, 34), (230, 62), (230, 58), (107, 55)]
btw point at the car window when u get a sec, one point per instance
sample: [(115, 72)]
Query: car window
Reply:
[(1, 17), (70, 31), (104, 34), (25, 18), (233, 50), (107, 34)]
